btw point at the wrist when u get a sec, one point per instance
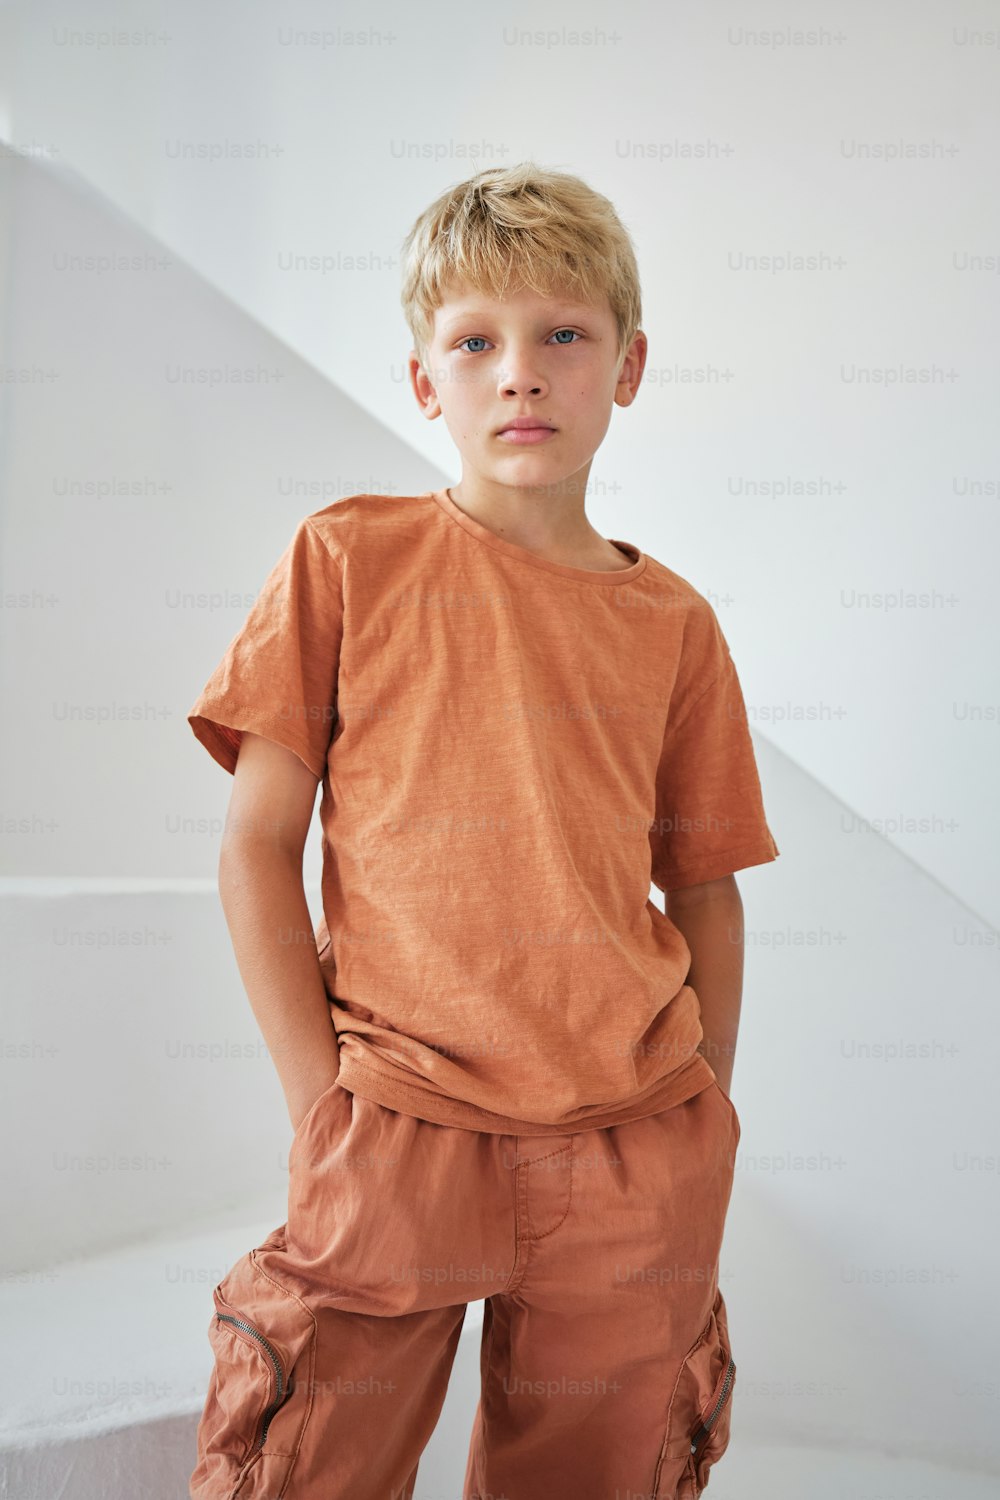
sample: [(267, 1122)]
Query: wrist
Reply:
[(300, 1098)]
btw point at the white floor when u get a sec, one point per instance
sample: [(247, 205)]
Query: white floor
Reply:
[(752, 1473)]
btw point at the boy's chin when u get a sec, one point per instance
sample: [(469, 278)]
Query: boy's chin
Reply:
[(519, 470)]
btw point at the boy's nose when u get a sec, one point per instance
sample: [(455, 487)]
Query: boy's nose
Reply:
[(519, 381)]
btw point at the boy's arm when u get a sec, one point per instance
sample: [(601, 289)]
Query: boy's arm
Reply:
[(263, 896), (710, 918)]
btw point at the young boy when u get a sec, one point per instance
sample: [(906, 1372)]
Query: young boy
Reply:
[(507, 1069)]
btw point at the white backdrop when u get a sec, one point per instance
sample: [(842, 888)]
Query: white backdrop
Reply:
[(860, 1247)]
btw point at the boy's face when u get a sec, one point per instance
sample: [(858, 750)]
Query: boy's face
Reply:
[(553, 359)]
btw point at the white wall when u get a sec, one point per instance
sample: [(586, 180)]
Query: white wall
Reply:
[(893, 708), (860, 1237)]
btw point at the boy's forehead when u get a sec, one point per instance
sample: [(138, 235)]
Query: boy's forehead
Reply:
[(459, 299)]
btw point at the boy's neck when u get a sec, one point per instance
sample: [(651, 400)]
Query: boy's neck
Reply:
[(554, 525)]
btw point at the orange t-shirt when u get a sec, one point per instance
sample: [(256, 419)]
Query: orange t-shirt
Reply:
[(511, 751)]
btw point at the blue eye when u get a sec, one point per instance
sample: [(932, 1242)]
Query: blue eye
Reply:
[(477, 338)]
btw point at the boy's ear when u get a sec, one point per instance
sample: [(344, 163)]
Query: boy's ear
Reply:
[(422, 387), (631, 371)]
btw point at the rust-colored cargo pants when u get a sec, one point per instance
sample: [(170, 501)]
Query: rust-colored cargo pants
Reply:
[(605, 1362)]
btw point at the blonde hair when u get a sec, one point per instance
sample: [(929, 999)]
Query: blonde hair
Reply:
[(508, 227)]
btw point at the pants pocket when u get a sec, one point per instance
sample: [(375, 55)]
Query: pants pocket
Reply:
[(260, 1390), (331, 1098), (731, 1108), (700, 1411)]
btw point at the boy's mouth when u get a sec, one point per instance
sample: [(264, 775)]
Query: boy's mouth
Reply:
[(526, 430)]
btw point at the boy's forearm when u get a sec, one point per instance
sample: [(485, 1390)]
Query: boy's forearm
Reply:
[(268, 917), (713, 930)]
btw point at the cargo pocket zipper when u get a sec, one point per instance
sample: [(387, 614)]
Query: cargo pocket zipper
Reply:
[(279, 1374), (704, 1430)]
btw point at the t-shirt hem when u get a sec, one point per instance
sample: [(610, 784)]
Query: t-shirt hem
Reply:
[(440, 1109)]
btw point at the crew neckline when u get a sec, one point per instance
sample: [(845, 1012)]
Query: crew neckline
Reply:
[(524, 554)]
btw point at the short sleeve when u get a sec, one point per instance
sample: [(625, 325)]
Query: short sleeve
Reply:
[(710, 818), (278, 677)]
